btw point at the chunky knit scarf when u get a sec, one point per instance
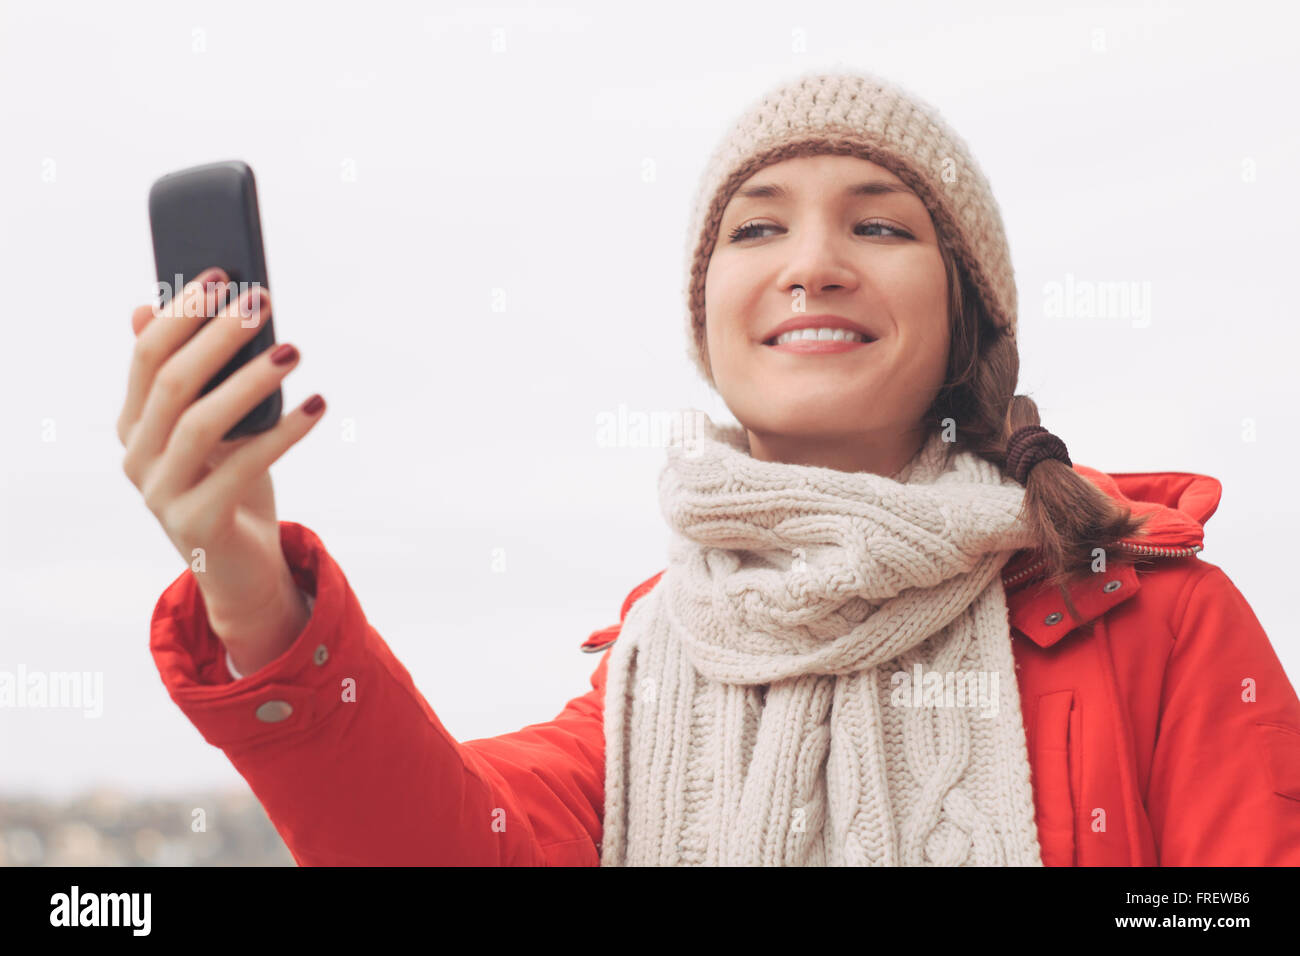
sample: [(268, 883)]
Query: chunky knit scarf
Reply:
[(823, 675)]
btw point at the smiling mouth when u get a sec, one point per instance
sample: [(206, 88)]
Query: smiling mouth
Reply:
[(837, 335), (819, 346), (841, 342), (855, 340)]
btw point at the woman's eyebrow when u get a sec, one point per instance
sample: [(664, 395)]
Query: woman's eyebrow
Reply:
[(877, 187)]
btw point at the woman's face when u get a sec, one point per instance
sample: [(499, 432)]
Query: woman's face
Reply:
[(819, 245)]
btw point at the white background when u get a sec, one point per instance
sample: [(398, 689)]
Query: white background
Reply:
[(1151, 143)]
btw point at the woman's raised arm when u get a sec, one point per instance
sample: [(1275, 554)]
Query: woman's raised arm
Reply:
[(350, 762)]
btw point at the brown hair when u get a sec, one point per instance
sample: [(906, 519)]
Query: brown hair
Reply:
[(1070, 514)]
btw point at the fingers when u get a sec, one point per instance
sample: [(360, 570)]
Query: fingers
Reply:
[(157, 340), (184, 374), (140, 317), (201, 426), (214, 498)]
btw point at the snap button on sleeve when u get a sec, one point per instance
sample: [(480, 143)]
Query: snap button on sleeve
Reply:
[(1112, 586), (274, 711), (321, 656), (1053, 618)]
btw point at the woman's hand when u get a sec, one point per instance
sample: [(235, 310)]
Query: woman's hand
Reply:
[(214, 498)]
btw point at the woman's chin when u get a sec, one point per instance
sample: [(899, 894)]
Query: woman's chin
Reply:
[(809, 417)]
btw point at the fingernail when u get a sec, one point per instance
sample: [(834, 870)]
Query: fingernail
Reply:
[(284, 354), (313, 405)]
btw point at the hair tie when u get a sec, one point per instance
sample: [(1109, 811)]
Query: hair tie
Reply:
[(1030, 445)]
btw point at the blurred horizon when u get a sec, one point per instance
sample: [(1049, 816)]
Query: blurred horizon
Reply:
[(104, 827)]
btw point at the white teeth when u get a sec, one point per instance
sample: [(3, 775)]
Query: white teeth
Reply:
[(821, 335)]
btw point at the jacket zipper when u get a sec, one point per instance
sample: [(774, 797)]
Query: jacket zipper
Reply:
[(1143, 549)]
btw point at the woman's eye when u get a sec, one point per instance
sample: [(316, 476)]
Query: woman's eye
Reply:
[(747, 231), (750, 230), (884, 225)]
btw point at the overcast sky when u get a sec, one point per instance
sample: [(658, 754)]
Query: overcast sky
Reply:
[(475, 221)]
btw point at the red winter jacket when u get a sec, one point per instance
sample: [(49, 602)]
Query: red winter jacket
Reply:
[(1162, 730)]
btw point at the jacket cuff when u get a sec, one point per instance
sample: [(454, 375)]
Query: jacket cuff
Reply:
[(230, 663), (288, 695)]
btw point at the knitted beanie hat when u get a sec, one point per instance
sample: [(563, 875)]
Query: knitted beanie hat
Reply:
[(857, 114)]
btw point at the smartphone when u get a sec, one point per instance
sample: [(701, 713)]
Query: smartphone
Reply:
[(207, 216)]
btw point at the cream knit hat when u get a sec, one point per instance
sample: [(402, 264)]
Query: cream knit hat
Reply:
[(857, 114)]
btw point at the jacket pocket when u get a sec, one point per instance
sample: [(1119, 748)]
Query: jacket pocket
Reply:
[(580, 852), (1054, 795), (1279, 746)]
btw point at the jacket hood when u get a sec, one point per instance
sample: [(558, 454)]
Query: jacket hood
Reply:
[(1179, 502)]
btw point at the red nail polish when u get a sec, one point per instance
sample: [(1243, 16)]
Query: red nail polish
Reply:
[(313, 405), (284, 354)]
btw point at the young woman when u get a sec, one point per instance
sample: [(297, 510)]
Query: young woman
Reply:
[(897, 625)]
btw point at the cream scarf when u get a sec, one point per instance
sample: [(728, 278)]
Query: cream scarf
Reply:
[(823, 676)]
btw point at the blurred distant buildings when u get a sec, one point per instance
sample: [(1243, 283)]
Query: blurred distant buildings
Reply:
[(106, 828)]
